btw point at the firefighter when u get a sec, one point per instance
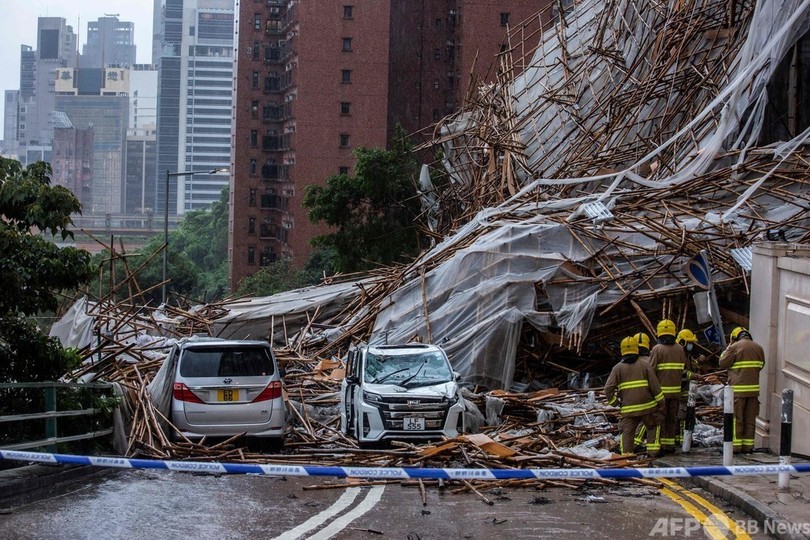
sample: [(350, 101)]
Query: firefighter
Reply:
[(669, 361), (643, 356), (643, 346), (634, 387), (744, 358), (688, 340)]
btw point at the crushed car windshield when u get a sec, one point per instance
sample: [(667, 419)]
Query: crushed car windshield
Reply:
[(407, 369)]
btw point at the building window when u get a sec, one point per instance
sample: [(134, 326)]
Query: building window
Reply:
[(343, 170), (252, 225), (438, 23), (253, 166), (345, 108), (504, 19), (347, 12), (252, 199), (436, 84), (257, 21), (255, 79), (251, 255), (344, 140), (437, 54), (256, 50), (254, 108), (347, 44), (436, 115), (254, 138), (345, 76)]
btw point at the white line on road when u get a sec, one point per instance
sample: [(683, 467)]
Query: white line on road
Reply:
[(319, 519), (373, 497)]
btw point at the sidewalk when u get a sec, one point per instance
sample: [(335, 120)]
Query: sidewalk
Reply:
[(786, 513)]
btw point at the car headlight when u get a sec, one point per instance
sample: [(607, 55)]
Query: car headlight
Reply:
[(371, 398)]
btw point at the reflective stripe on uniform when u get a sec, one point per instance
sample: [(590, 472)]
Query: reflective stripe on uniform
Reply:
[(639, 407), (639, 383), (745, 387), (671, 389), (742, 364), (668, 366)]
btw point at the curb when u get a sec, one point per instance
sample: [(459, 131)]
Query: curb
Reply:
[(756, 509), (23, 485)]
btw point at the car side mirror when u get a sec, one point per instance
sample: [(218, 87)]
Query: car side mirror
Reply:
[(352, 379), (456, 376)]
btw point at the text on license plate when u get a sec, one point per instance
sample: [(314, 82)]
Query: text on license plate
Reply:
[(413, 424), (228, 394)]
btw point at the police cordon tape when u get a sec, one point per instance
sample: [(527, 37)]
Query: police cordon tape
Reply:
[(400, 472)]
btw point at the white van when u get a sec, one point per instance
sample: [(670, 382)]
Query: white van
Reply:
[(395, 392)]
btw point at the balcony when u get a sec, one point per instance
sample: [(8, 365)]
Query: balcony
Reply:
[(277, 143), (275, 173)]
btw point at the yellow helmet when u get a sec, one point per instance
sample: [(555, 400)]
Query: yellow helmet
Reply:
[(643, 340), (666, 328), (739, 333), (629, 345), (686, 336)]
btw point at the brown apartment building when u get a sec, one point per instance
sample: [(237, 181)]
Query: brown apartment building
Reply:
[(317, 78)]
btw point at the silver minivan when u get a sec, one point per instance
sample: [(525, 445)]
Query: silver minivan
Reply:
[(393, 392), (223, 388)]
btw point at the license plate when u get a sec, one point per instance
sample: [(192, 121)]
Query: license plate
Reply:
[(229, 394), (413, 424)]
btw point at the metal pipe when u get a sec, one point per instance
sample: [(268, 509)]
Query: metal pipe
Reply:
[(689, 426)]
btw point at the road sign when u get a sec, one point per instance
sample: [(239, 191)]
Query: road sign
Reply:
[(698, 269), (712, 335)]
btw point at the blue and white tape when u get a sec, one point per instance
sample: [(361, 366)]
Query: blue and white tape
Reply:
[(402, 473)]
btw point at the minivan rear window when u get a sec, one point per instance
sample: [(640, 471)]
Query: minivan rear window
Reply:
[(226, 362)]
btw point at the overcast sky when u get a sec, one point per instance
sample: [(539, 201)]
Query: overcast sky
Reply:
[(18, 26)]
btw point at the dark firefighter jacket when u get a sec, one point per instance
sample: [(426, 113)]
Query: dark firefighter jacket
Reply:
[(633, 384), (743, 359)]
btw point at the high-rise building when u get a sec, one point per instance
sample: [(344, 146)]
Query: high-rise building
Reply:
[(10, 125), (56, 48), (316, 79), (72, 158), (99, 99), (195, 97), (110, 42), (141, 161)]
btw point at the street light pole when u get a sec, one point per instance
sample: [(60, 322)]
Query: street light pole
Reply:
[(169, 175)]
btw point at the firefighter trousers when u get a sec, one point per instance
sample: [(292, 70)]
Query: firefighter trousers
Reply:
[(669, 427), (628, 425), (745, 422)]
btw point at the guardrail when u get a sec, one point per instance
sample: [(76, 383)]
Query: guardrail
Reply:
[(51, 414)]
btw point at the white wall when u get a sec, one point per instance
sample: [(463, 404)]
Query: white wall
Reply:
[(780, 322)]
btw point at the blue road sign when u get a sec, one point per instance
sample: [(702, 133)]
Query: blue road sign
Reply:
[(712, 335), (698, 270)]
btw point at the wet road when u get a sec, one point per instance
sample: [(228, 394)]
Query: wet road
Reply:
[(162, 504)]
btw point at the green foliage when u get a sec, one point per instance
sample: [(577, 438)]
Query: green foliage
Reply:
[(281, 276), (374, 214), (197, 263), (33, 270), (28, 355)]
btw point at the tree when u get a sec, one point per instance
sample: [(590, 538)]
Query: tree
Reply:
[(375, 213), (197, 262), (280, 276), (33, 270)]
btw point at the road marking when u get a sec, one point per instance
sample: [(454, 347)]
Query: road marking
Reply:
[(373, 497), (708, 521), (319, 519)]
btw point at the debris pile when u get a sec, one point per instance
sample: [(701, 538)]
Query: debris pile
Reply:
[(618, 143)]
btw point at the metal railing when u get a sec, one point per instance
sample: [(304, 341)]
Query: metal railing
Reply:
[(51, 414)]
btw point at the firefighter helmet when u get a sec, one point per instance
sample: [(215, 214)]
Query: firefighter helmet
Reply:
[(739, 333), (643, 340), (629, 345), (666, 328), (686, 336)]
